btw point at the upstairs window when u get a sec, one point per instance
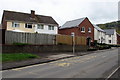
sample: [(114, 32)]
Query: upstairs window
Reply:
[(89, 29), (15, 24), (83, 29), (109, 41), (28, 25), (40, 26), (109, 35), (50, 27)]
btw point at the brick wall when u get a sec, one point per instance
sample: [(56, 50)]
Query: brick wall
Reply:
[(41, 49)]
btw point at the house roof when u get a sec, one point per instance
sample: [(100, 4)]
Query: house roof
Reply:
[(109, 31), (72, 23), (25, 17), (98, 28), (118, 34)]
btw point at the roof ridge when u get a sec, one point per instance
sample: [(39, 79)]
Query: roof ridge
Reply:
[(21, 16), (25, 13), (76, 19)]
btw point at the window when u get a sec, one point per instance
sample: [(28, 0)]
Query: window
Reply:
[(89, 29), (28, 25), (109, 35), (40, 26), (15, 24), (50, 27), (83, 29), (109, 41)]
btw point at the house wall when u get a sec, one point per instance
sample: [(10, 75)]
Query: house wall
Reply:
[(118, 39), (33, 29), (113, 39), (68, 31), (21, 27), (77, 30), (98, 35), (95, 34), (4, 23), (46, 31)]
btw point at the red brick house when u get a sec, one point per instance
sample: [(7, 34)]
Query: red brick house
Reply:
[(81, 27), (118, 38)]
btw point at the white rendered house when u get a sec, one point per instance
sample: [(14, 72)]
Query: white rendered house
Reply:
[(110, 36), (99, 34), (46, 28)]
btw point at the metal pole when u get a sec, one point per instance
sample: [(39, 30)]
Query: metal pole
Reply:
[(73, 42)]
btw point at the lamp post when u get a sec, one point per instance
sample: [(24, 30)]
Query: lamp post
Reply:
[(73, 41)]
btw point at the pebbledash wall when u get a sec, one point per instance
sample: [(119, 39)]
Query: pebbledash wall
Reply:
[(34, 28), (41, 49)]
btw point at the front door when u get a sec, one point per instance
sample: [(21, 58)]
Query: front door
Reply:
[(88, 41)]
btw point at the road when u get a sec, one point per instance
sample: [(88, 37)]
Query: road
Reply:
[(96, 65)]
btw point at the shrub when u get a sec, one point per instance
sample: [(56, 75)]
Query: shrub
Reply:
[(20, 44), (92, 49)]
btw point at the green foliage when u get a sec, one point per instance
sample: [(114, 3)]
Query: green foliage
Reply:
[(111, 25), (20, 44), (99, 46), (16, 57), (103, 46), (92, 49)]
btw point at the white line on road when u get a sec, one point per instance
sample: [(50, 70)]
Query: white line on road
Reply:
[(112, 73)]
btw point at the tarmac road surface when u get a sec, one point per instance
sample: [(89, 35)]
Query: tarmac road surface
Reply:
[(96, 65)]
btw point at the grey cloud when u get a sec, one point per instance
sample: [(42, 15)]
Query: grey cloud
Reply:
[(63, 10)]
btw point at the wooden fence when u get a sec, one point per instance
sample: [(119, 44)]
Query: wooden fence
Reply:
[(30, 38), (66, 39), (41, 39)]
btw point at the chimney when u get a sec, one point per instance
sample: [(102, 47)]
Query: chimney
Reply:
[(32, 14)]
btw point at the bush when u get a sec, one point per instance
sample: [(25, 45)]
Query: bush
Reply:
[(103, 46), (92, 49), (20, 44)]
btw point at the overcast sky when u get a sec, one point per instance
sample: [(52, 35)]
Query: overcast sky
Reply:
[(98, 11)]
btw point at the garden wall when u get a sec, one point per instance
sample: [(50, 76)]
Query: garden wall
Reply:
[(41, 48)]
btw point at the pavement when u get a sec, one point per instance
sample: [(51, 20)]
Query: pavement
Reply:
[(100, 64), (45, 58)]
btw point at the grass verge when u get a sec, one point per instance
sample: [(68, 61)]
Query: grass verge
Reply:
[(16, 57)]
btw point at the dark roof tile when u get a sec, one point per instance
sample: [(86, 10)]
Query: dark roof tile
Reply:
[(25, 17)]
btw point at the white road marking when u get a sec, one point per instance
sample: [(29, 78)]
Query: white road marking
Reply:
[(112, 73)]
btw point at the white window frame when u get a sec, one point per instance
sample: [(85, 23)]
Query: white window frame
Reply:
[(50, 27), (82, 29), (15, 24), (27, 25), (40, 26), (89, 30)]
